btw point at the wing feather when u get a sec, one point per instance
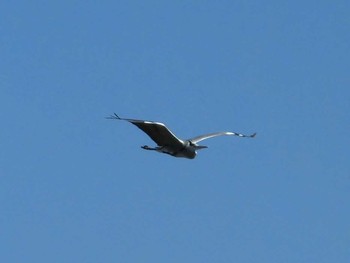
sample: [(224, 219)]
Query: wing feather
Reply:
[(157, 131), (161, 135), (215, 134)]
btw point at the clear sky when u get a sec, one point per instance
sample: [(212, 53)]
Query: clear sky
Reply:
[(75, 187)]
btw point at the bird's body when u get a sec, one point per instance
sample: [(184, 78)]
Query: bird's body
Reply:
[(186, 151), (168, 143)]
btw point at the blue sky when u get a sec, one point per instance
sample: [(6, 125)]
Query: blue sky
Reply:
[(75, 187)]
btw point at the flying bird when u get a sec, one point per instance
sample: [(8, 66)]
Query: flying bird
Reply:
[(167, 141)]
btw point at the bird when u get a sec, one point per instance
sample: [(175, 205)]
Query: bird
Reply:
[(168, 143)]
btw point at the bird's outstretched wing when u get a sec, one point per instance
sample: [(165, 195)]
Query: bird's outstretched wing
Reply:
[(214, 134), (157, 131)]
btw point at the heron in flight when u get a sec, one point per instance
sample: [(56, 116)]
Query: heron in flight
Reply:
[(167, 141)]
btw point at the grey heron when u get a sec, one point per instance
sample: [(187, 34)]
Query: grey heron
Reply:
[(167, 141)]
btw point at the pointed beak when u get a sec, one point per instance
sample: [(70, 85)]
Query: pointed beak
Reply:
[(199, 147)]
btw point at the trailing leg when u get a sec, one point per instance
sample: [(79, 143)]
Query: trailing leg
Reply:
[(148, 148)]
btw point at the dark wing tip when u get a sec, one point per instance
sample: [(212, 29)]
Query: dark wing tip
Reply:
[(253, 135), (113, 117)]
